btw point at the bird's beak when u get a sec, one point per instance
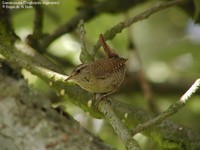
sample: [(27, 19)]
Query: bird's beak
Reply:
[(69, 77)]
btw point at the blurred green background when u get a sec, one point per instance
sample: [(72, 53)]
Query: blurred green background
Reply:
[(168, 44)]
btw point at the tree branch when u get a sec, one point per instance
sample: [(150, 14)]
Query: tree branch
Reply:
[(38, 21), (29, 122), (118, 126), (171, 110), (88, 13), (167, 133), (22, 56), (112, 32), (34, 39), (67, 27), (84, 55), (54, 79)]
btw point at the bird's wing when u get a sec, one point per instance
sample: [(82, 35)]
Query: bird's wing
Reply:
[(102, 69)]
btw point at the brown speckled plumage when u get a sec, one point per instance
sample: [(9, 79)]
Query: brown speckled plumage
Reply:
[(103, 76)]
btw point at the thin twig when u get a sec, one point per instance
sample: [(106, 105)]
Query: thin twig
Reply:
[(34, 38), (38, 22), (85, 55), (191, 90), (112, 32), (88, 13), (170, 111), (67, 27)]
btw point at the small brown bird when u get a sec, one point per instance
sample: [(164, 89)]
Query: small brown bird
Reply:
[(103, 76)]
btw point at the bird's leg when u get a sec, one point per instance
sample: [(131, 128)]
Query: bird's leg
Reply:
[(95, 96), (104, 96)]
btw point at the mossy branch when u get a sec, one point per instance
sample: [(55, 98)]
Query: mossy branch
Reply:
[(170, 111), (22, 56), (118, 126), (85, 55), (116, 29)]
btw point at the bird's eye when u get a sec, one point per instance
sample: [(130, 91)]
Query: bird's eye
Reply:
[(78, 70)]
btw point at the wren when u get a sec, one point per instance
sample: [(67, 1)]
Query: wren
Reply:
[(103, 76)]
